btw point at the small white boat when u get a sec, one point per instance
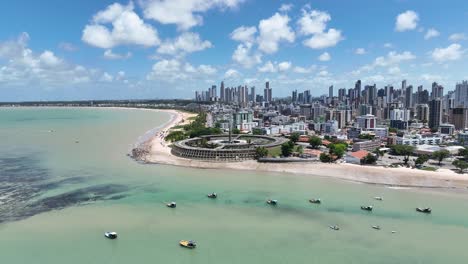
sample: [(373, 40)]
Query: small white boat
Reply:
[(272, 202), (426, 210), (171, 205), (334, 227), (378, 198), (367, 208), (110, 235), (376, 227), (212, 195)]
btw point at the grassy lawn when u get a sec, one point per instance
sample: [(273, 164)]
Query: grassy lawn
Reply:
[(276, 151)]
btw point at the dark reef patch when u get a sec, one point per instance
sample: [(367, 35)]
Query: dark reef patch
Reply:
[(24, 184)]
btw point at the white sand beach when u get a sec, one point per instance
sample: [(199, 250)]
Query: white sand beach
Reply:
[(160, 153)]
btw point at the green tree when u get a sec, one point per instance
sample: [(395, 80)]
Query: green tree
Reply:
[(175, 136), (463, 152), (300, 149), (392, 130), (326, 158), (369, 159), (315, 142), (235, 131), (261, 152), (403, 150), (379, 153), (294, 137), (366, 136), (440, 155), (338, 149), (257, 131), (422, 159), (287, 148), (461, 165)]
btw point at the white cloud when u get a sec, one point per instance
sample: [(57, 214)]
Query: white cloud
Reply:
[(450, 53), (388, 45), (49, 59), (324, 57), (286, 7), (323, 73), (127, 28), (273, 31), (406, 21), (324, 40), (360, 51), (284, 66), (310, 69), (110, 55), (106, 77), (273, 67), (245, 57), (187, 42), (314, 22), (174, 70), (231, 74), (393, 58), (431, 33), (244, 34), (183, 13), (25, 67), (268, 67), (394, 70), (458, 37)]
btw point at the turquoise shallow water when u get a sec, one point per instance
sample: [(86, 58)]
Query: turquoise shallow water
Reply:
[(57, 197)]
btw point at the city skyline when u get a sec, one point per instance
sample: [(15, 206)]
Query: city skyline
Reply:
[(158, 49)]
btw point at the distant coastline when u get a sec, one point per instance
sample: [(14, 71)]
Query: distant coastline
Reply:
[(158, 151)]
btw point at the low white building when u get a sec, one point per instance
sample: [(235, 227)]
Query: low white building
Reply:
[(415, 140)]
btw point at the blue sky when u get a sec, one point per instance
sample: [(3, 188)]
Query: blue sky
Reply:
[(55, 50)]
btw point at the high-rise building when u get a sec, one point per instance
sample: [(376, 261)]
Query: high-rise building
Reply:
[(221, 92), (461, 95), (435, 113), (422, 112), (267, 96), (294, 96), (252, 94), (459, 118), (330, 92), (341, 94), (366, 121), (409, 96), (437, 91)]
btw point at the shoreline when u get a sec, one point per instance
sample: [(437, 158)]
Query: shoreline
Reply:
[(157, 151)]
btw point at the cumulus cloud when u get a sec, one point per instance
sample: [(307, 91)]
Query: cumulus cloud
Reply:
[(273, 31), (187, 42), (450, 53), (431, 33), (24, 67), (406, 21), (244, 34), (232, 74), (388, 45), (272, 67), (457, 37), (127, 28), (314, 23), (393, 58), (110, 55), (285, 7), (304, 70), (183, 13), (324, 57), (175, 70), (67, 46), (245, 56), (360, 51)]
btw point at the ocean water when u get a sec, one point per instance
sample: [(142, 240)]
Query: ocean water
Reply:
[(65, 179)]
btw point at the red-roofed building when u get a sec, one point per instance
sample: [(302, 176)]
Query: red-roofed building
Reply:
[(359, 154)]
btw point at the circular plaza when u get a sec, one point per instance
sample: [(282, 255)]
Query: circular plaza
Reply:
[(221, 148)]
